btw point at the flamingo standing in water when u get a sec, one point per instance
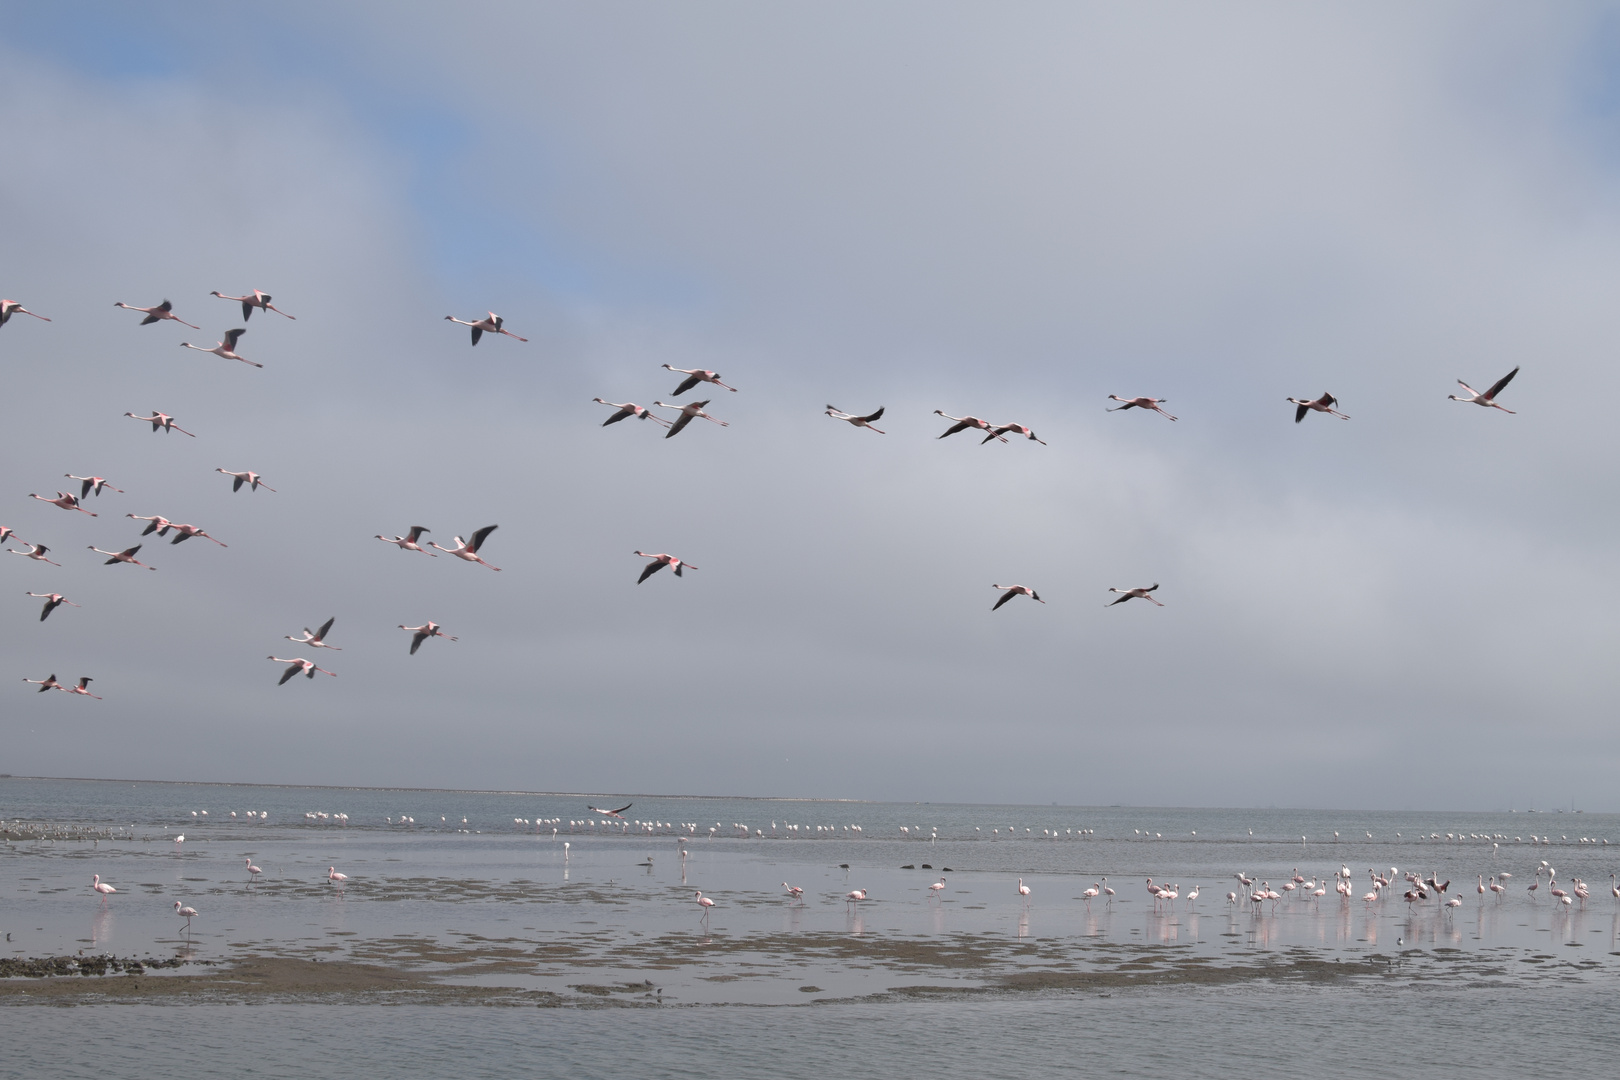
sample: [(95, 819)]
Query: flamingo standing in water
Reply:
[(1323, 404), (255, 299), (705, 903), (962, 423), (794, 891), (1016, 590), (82, 688), (53, 600), (162, 421), (859, 421), (1134, 594), (125, 556), (467, 550), (488, 325), (1488, 398), (66, 500), (246, 477), (162, 311), (186, 913), (93, 483), (937, 887), (299, 666), (253, 871), (1091, 894), (854, 897), (659, 561), (101, 887), (688, 411), (427, 630), (409, 542), (225, 350), (8, 308), (317, 638), (336, 878), (47, 683), (35, 552), (1140, 403), (627, 410), (695, 376)]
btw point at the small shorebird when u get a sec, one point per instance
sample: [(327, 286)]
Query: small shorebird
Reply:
[(83, 687), (47, 683), (160, 420), (316, 638), (1323, 404), (125, 556), (1488, 398), (53, 600), (688, 411), (8, 308), (35, 552), (92, 483), (101, 887), (467, 550), (1018, 429), (225, 350), (299, 666), (962, 423), (255, 299), (627, 410), (1134, 594), (489, 325), (422, 633), (1015, 590), (1140, 403), (246, 477), (695, 376), (163, 311), (859, 421), (659, 561), (409, 542), (66, 500)]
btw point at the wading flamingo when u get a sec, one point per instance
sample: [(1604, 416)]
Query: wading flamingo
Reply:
[(253, 871), (705, 903), (336, 878), (186, 913), (101, 887)]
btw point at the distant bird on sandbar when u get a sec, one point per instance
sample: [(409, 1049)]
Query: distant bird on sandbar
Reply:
[(1488, 398), (225, 350), (659, 561), (299, 666), (488, 325), (255, 299), (163, 311), (627, 410), (1134, 594), (688, 411), (246, 477), (695, 376), (1323, 404), (53, 600), (859, 421), (467, 550), (422, 633), (409, 542), (1015, 590), (1140, 403), (160, 420)]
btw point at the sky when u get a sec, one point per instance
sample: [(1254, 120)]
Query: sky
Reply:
[(1009, 212)]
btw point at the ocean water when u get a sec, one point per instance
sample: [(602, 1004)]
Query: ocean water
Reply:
[(537, 893)]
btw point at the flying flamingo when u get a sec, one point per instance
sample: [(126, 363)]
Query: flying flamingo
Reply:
[(1133, 594), (688, 411), (490, 325), (256, 299), (1016, 590), (47, 683), (163, 311), (695, 376), (317, 639), (467, 550), (82, 688), (1323, 404), (35, 552), (125, 556), (225, 350), (659, 561), (161, 420), (66, 500), (962, 423), (253, 871), (859, 421), (1140, 403), (298, 666), (247, 477), (1488, 398), (619, 813), (332, 875), (93, 483), (409, 543), (53, 600), (705, 903), (1001, 429), (426, 630), (101, 887), (186, 532), (627, 410), (156, 523), (8, 308), (6, 533)]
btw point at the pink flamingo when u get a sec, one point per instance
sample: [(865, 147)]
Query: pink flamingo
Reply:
[(467, 550), (6, 533), (246, 477), (937, 887), (854, 897), (489, 325), (82, 688), (161, 420), (409, 542), (47, 683), (962, 423), (53, 600), (156, 523), (163, 311), (859, 421), (66, 500), (1140, 403), (794, 891), (705, 903), (35, 552), (186, 532), (225, 350), (1089, 895), (1023, 890), (125, 556), (317, 638), (695, 376), (1016, 590), (1323, 404), (299, 666), (659, 561), (8, 308), (101, 887), (253, 871), (427, 630), (93, 483), (688, 411), (627, 410), (1134, 594), (1001, 429), (255, 299), (332, 875), (1488, 398)]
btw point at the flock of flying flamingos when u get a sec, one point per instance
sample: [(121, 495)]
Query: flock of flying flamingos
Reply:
[(468, 549)]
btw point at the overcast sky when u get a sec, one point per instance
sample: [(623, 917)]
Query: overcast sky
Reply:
[(1009, 211)]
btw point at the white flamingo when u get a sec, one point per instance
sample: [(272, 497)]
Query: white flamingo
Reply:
[(937, 887), (659, 561), (93, 483), (125, 556), (161, 421), (794, 891), (53, 600), (467, 550), (1488, 398), (409, 542), (316, 638), (1140, 403), (1015, 590), (627, 410), (35, 552), (162, 311), (489, 325), (66, 500), (1323, 404), (1023, 890), (255, 299), (854, 897), (695, 376), (1134, 594), (8, 308), (427, 630), (225, 350), (962, 423), (859, 421), (247, 476), (688, 411), (1018, 429), (47, 683)]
